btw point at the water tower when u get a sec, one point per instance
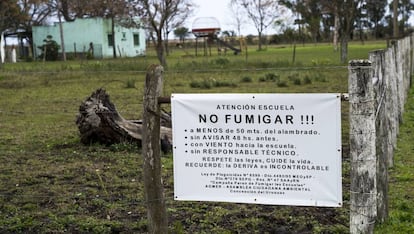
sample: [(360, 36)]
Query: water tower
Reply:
[(205, 27), (208, 28)]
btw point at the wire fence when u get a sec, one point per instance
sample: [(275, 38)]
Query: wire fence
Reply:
[(16, 188), (32, 171), (28, 160), (378, 90)]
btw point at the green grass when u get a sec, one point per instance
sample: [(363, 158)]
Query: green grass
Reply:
[(50, 182), (401, 190)]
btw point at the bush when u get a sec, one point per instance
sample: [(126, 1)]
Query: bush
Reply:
[(295, 78), (320, 78), (297, 81), (210, 83), (282, 84), (221, 83), (270, 77), (246, 79), (50, 49), (222, 61), (307, 80), (130, 84), (204, 84)]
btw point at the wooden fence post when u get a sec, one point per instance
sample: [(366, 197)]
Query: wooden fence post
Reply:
[(362, 147), (382, 127), (411, 60), (157, 214), (391, 104)]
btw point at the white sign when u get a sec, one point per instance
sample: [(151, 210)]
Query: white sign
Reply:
[(280, 149)]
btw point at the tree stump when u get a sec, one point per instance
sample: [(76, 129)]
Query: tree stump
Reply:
[(99, 121)]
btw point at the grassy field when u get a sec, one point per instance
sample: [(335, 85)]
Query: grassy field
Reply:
[(51, 183)]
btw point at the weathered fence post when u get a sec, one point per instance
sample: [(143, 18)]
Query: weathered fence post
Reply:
[(362, 147), (411, 59), (382, 127), (157, 214), (391, 104)]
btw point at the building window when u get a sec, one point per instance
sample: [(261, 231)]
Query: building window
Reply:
[(136, 39), (110, 40), (123, 36)]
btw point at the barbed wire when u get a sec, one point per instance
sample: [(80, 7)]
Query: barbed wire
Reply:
[(47, 104), (195, 70), (65, 113)]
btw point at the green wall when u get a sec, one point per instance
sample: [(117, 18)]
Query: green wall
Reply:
[(80, 33)]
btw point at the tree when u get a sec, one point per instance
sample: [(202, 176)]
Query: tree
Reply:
[(332, 8), (401, 10), (21, 15), (9, 12), (162, 15), (182, 33), (237, 16), (176, 19), (36, 13), (395, 18), (375, 13), (262, 13), (347, 12), (310, 12), (361, 21), (50, 49), (58, 6), (70, 10)]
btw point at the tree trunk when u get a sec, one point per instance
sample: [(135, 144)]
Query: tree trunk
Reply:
[(62, 38), (99, 121), (336, 31), (166, 46), (113, 36), (161, 53), (395, 19), (260, 41), (344, 48)]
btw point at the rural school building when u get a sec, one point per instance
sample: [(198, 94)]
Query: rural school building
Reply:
[(92, 34)]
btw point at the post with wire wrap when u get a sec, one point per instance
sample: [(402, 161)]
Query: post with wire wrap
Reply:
[(157, 214), (363, 192)]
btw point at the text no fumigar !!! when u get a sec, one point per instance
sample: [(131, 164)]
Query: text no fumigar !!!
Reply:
[(246, 119)]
